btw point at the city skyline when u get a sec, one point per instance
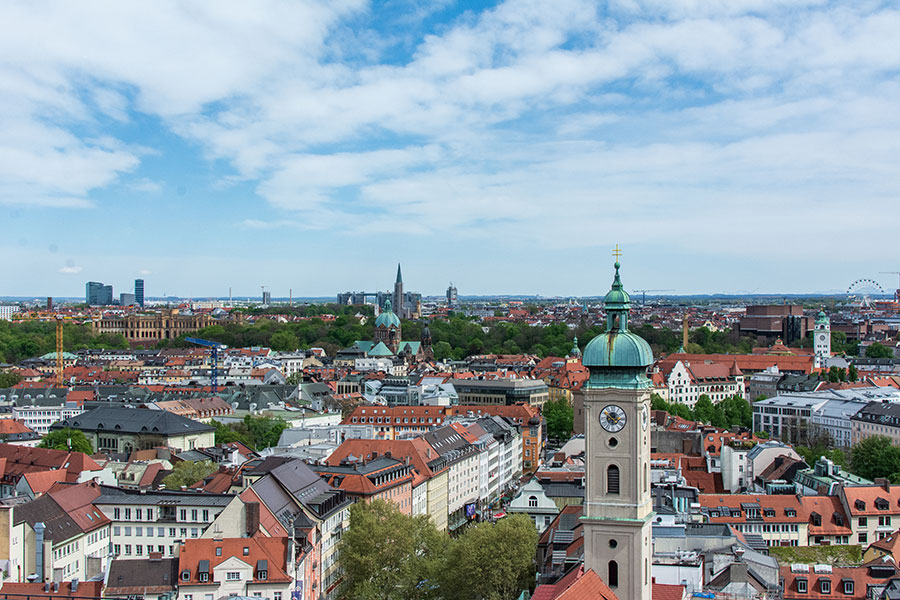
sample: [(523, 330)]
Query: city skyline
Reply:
[(506, 147)]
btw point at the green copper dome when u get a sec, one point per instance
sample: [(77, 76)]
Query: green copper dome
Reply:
[(387, 318), (617, 358), (821, 318)]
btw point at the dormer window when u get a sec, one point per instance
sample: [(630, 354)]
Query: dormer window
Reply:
[(860, 505), (801, 585), (816, 519), (185, 575), (824, 586), (848, 586), (262, 569), (881, 504)]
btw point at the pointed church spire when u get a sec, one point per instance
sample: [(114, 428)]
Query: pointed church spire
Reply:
[(399, 276)]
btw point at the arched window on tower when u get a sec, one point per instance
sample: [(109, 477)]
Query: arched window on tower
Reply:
[(612, 578), (612, 479), (532, 501)]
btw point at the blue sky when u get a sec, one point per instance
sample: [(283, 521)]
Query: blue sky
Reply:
[(506, 146)]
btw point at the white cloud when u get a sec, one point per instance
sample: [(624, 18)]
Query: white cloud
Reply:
[(146, 185), (70, 270)]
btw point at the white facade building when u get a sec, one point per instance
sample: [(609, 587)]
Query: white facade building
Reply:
[(40, 418)]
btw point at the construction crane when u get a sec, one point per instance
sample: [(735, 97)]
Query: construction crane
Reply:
[(59, 351), (897, 291), (644, 292), (214, 348)]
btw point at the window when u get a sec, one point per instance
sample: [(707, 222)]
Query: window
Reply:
[(183, 515), (183, 532), (139, 531), (194, 514), (128, 531), (613, 573), (825, 586), (117, 530), (195, 532), (149, 514), (117, 514), (801, 585), (246, 551), (117, 549), (532, 501), (172, 532), (127, 514), (128, 549), (276, 596), (204, 577), (138, 514), (612, 479), (848, 586), (139, 549), (218, 551), (205, 515), (188, 597), (233, 576)]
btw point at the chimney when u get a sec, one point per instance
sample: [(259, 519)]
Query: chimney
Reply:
[(252, 518), (39, 550), (883, 482)]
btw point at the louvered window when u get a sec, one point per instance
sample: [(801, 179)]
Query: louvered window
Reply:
[(612, 479)]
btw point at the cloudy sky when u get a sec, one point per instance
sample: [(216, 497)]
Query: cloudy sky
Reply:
[(727, 146)]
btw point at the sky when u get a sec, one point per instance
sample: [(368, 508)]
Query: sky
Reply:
[(739, 146)]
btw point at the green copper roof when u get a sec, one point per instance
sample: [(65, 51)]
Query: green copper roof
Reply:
[(387, 318), (617, 297), (399, 276), (617, 358), (380, 350), (821, 317)]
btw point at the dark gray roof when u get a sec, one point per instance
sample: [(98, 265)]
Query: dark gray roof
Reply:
[(111, 495), (132, 420), (153, 575), (59, 525)]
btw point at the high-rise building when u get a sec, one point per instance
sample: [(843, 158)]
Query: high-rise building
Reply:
[(139, 292), (126, 299), (452, 298), (97, 294), (267, 298), (615, 402)]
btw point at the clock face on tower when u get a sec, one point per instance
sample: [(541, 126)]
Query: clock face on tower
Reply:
[(822, 337), (612, 418)]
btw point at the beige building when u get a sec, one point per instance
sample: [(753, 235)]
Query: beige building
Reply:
[(149, 328)]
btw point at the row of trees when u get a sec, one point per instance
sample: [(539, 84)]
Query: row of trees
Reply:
[(27, 339), (731, 412), (876, 456), (560, 419), (387, 555)]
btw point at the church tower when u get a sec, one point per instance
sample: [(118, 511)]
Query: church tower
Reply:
[(398, 294), (618, 508), (426, 343), (822, 339), (387, 328)]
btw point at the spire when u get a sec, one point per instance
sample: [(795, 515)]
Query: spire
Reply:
[(387, 305), (575, 351), (399, 276), (617, 303)]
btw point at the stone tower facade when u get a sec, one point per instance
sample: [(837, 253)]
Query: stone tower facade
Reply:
[(822, 340), (616, 402), (398, 294)]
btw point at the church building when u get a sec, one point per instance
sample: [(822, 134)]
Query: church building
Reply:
[(389, 343), (618, 508)]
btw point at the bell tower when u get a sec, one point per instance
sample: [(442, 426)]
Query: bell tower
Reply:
[(618, 508)]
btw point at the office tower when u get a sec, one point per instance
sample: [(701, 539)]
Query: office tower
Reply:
[(139, 292)]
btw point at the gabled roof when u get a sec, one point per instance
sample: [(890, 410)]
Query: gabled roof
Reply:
[(155, 575), (66, 512)]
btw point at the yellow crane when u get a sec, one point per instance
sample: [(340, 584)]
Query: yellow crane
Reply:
[(59, 351)]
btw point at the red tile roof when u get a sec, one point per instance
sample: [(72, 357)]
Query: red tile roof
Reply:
[(273, 550)]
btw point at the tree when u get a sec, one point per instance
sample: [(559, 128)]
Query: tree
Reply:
[(560, 419), (877, 350), (72, 440), (703, 409), (284, 341), (491, 561), (186, 473), (875, 457), (852, 373), (9, 379), (233, 432), (264, 431), (442, 350), (295, 378), (388, 555)]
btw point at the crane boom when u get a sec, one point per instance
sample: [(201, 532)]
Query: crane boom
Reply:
[(214, 348)]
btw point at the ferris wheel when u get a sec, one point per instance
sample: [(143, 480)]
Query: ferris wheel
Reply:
[(862, 291)]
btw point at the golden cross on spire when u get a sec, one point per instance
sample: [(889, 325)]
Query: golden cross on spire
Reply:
[(617, 252)]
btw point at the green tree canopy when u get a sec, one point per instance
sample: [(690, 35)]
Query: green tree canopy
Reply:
[(875, 457), (388, 555), (560, 419), (491, 561), (264, 431), (878, 350), (73, 440), (186, 473), (9, 379)]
